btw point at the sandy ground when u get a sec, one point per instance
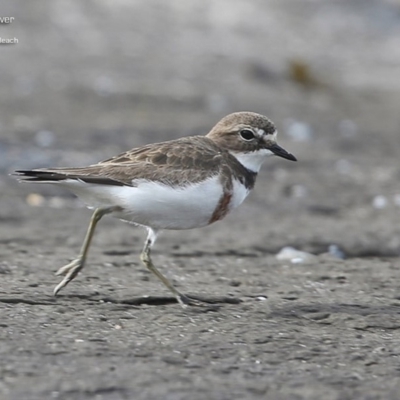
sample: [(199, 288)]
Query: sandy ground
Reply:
[(90, 79)]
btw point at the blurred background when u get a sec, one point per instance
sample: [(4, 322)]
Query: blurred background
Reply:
[(89, 79)]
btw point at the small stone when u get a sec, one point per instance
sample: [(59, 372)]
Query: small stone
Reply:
[(295, 256), (299, 131), (343, 166), (104, 86), (379, 202), (336, 252), (35, 200), (56, 202), (348, 128), (44, 138)]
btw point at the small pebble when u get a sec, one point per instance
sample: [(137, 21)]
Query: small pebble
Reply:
[(35, 200), (343, 166), (298, 191), (379, 202), (295, 256), (299, 131), (336, 252), (104, 86), (44, 138), (348, 128), (56, 202)]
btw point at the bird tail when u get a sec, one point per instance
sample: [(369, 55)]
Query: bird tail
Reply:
[(37, 175), (64, 174)]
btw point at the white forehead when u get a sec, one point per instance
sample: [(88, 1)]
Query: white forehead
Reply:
[(260, 133)]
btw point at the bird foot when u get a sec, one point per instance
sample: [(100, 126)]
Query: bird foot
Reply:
[(186, 301), (70, 271)]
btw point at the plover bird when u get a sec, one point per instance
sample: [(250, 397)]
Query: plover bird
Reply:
[(185, 183)]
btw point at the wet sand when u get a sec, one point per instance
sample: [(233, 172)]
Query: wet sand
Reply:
[(85, 83)]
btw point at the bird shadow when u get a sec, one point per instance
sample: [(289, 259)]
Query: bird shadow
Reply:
[(203, 303), (305, 310)]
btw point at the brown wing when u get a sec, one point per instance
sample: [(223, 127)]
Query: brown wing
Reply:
[(180, 161)]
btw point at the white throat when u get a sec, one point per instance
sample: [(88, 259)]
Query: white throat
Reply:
[(253, 160)]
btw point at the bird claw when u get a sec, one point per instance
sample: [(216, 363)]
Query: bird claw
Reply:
[(70, 271), (186, 301)]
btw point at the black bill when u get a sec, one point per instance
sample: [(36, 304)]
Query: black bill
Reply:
[(281, 152)]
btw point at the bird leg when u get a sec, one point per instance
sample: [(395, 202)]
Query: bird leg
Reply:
[(72, 269), (147, 261)]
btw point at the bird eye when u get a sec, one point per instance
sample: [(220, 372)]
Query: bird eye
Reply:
[(246, 134)]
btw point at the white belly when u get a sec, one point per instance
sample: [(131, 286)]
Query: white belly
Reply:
[(154, 204)]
